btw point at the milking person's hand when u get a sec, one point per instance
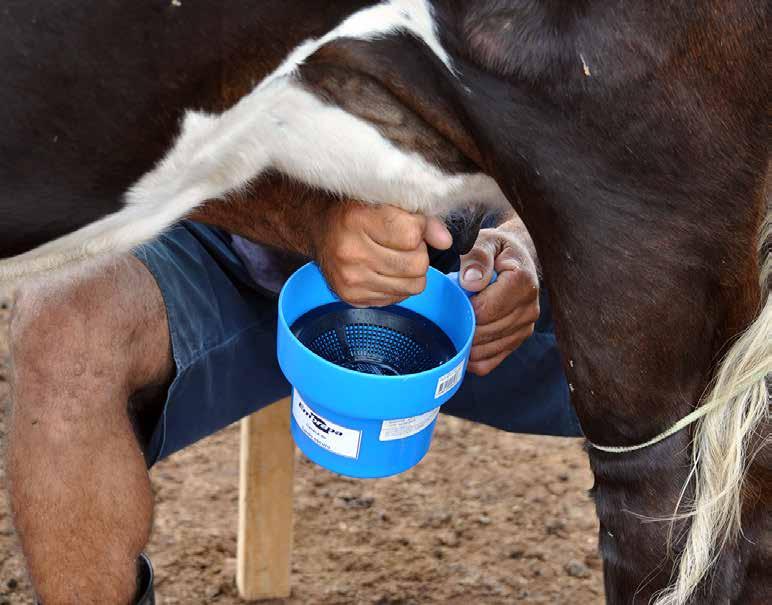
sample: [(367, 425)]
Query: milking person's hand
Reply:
[(506, 310), (374, 256)]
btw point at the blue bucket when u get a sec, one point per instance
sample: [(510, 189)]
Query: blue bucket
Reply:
[(368, 383)]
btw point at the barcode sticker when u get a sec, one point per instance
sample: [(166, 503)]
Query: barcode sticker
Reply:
[(407, 427), (449, 380)]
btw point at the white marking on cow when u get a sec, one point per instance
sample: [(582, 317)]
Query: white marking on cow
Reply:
[(281, 126), (585, 67)]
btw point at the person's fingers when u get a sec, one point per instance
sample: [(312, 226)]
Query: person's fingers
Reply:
[(393, 263), (361, 293), (498, 315), (483, 368), (436, 234), (502, 327), (506, 344), (476, 268), (511, 290), (354, 284), (397, 286), (394, 228), (364, 298), (399, 230), (512, 258)]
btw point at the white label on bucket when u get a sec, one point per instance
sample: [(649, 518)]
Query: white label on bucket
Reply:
[(449, 380), (407, 427), (325, 433)]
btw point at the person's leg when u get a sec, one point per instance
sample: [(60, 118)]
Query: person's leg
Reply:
[(83, 342), (223, 333)]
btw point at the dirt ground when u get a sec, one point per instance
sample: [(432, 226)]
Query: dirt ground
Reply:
[(486, 518)]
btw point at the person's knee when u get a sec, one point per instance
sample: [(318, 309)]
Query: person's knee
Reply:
[(62, 331), (75, 336)]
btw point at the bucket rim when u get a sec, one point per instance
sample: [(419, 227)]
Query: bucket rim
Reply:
[(461, 353)]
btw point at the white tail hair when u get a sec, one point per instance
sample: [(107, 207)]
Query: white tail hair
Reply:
[(720, 454)]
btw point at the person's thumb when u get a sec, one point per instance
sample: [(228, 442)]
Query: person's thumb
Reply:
[(436, 234), (477, 267)]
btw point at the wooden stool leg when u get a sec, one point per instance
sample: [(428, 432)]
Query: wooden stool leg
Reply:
[(265, 504)]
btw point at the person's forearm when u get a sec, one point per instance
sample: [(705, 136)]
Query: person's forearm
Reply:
[(275, 211)]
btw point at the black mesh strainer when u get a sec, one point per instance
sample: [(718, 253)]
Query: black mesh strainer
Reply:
[(388, 341)]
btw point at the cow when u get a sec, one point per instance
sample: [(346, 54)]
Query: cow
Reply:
[(631, 137)]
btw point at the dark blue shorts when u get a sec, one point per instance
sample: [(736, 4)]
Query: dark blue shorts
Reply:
[(223, 332)]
